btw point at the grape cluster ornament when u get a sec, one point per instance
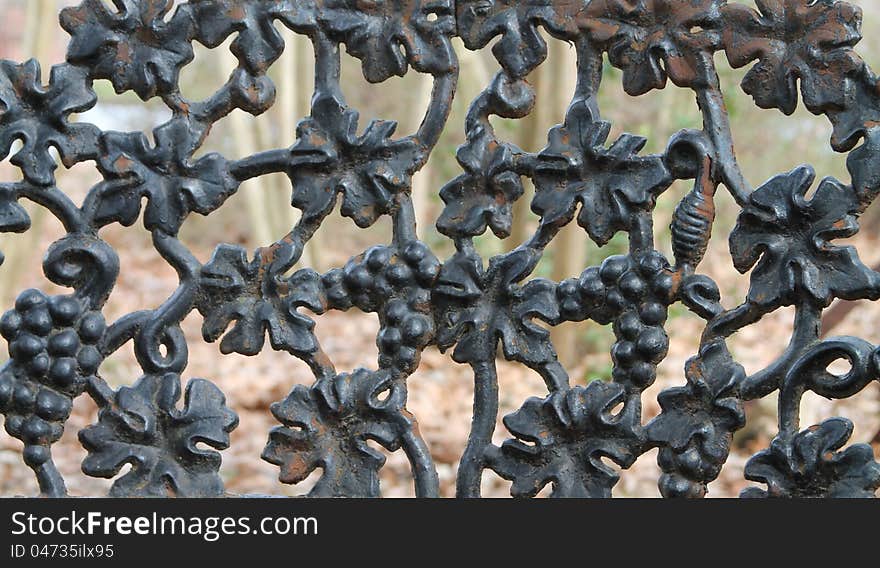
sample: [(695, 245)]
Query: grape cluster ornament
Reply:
[(53, 355)]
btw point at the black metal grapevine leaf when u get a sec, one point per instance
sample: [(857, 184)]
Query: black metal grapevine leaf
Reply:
[(809, 465), (39, 117), (697, 422), (861, 113), (484, 195), (562, 439), (483, 307), (864, 169), (174, 185), (522, 338), (13, 217), (257, 43), (609, 183), (143, 426), (521, 47), (369, 169), (134, 47), (641, 35), (387, 37), (236, 289), (793, 40), (790, 239), (328, 426)]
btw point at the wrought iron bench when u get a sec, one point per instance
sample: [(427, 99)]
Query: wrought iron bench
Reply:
[(463, 304)]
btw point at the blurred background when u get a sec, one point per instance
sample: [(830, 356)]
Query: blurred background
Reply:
[(441, 391)]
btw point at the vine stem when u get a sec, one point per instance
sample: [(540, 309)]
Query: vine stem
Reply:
[(157, 329), (260, 164), (806, 332), (427, 483), (327, 66), (50, 481), (716, 124), (807, 321), (437, 113), (404, 217), (57, 203), (810, 372), (439, 107), (470, 468), (641, 235)]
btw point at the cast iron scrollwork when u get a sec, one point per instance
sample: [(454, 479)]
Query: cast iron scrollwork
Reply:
[(567, 439)]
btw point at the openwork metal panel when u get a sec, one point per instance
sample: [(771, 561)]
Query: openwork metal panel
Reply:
[(472, 306)]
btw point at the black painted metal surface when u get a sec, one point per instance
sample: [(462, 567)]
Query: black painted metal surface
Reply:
[(465, 304)]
